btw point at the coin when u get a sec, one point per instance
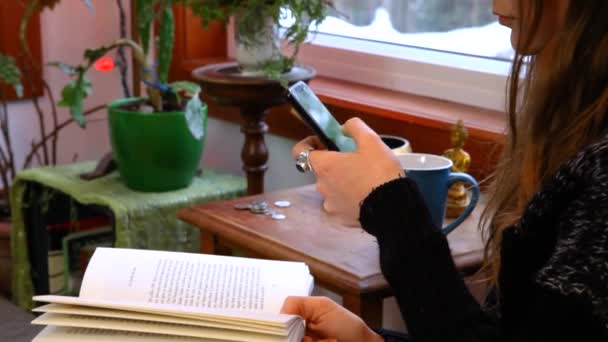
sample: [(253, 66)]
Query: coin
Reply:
[(278, 217), (260, 210), (282, 204), (242, 206), (259, 204)]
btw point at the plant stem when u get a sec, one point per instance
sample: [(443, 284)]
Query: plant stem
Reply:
[(121, 52), (31, 8), (10, 161), (55, 122), (36, 154), (27, 75), (5, 182), (44, 139), (146, 73), (4, 164)]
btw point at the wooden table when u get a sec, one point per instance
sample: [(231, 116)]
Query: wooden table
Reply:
[(254, 96), (342, 259)]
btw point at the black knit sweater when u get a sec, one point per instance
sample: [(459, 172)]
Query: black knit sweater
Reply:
[(554, 276)]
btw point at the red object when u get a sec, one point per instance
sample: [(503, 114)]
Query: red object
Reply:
[(104, 64)]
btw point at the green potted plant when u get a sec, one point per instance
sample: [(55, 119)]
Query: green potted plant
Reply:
[(157, 140), (258, 29)]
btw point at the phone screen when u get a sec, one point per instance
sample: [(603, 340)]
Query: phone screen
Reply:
[(325, 125)]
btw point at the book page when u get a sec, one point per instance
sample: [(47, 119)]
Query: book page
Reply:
[(193, 280), (153, 317), (244, 318), (152, 327), (74, 334)]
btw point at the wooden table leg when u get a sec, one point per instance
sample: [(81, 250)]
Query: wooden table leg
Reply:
[(210, 244), (255, 152), (368, 307), (207, 243)]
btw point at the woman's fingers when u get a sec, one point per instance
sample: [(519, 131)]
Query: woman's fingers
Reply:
[(297, 306), (312, 338), (292, 306), (308, 308), (326, 320), (311, 142), (360, 132), (328, 207)]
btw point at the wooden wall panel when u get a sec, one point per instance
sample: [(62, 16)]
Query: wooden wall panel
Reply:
[(195, 46), (11, 13)]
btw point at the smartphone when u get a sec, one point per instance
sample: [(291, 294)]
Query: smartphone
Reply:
[(318, 117)]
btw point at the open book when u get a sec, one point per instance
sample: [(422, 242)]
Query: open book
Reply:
[(138, 295)]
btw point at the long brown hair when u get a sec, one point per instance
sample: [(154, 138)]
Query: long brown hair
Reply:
[(557, 104)]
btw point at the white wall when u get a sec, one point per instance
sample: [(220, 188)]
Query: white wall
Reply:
[(223, 150)]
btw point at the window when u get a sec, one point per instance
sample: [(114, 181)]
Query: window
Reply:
[(458, 26), (453, 50)]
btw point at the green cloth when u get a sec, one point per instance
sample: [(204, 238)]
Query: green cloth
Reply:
[(142, 220)]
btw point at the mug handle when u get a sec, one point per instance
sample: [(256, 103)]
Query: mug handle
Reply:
[(466, 178)]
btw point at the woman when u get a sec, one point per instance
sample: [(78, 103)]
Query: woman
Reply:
[(547, 219)]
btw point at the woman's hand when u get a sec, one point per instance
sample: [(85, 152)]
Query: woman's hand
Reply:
[(345, 179), (328, 321)]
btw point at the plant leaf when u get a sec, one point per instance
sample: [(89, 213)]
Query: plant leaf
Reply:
[(93, 55), (145, 16), (165, 44), (18, 89), (194, 117), (81, 92), (68, 69), (73, 95), (10, 74), (190, 88), (211, 10)]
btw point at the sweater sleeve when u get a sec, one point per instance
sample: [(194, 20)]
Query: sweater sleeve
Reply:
[(416, 261), (435, 304)]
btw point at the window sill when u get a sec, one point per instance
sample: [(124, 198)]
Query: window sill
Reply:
[(481, 123)]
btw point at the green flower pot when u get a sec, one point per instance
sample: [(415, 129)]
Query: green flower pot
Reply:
[(155, 151)]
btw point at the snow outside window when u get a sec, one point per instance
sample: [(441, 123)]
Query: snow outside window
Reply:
[(448, 49)]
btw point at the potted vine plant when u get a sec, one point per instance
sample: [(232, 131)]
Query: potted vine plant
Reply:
[(157, 141), (258, 30), (21, 72)]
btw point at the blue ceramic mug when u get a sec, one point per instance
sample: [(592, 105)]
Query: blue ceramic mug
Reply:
[(433, 176)]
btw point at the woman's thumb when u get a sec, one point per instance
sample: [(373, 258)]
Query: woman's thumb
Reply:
[(360, 132)]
